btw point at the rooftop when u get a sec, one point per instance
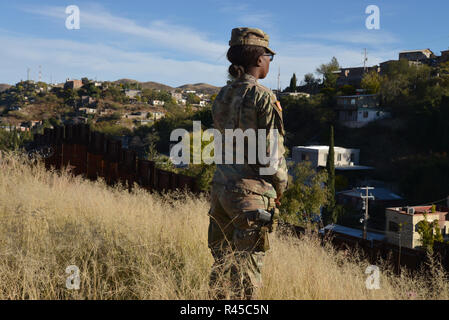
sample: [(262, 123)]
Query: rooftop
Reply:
[(419, 210), (323, 148), (419, 50), (353, 232), (378, 193), (358, 96), (353, 168)]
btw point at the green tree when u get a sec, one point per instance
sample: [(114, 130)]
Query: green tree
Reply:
[(329, 213), (371, 82), (293, 85), (429, 233), (329, 72), (193, 98), (304, 196)]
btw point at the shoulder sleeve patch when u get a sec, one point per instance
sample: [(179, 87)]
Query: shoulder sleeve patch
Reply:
[(278, 105)]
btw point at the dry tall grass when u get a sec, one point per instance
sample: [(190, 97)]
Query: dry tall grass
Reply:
[(144, 246)]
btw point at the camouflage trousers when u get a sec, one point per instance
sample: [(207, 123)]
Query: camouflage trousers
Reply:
[(237, 242)]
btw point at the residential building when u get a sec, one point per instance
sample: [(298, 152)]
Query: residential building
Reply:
[(342, 231), (157, 102), (382, 197), (87, 110), (384, 66), (106, 112), (295, 94), (176, 95), (417, 55), (317, 155), (136, 115), (444, 56), (73, 84), (132, 94), (156, 115), (402, 223), (144, 121), (88, 101), (354, 76), (359, 110)]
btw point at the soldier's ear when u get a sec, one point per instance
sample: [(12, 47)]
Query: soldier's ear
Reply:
[(259, 62)]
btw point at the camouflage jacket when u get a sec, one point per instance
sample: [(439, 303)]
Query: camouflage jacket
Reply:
[(245, 104)]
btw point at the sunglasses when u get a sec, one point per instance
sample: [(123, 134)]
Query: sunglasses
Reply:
[(269, 55)]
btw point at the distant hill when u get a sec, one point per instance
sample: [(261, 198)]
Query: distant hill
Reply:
[(201, 87), (4, 86), (156, 86), (147, 85), (198, 87)]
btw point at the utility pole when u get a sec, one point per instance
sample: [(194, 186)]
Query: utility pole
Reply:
[(28, 74), (365, 60), (366, 199), (279, 80)]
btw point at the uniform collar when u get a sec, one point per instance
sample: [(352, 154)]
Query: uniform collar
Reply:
[(248, 77)]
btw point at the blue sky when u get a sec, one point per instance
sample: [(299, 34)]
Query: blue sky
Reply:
[(179, 42)]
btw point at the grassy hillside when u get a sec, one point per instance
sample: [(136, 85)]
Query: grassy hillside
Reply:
[(4, 86), (147, 85), (201, 87), (144, 246)]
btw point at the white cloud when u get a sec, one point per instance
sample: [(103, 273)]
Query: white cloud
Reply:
[(165, 34), (372, 38), (110, 61), (63, 58)]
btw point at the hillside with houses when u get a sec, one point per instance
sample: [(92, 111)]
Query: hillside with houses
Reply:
[(389, 133)]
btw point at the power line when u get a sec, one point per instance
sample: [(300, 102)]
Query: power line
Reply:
[(366, 199)]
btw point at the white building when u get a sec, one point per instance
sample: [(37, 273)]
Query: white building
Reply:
[(359, 110), (156, 115), (295, 94), (176, 95), (402, 224), (157, 102), (87, 110), (132, 94), (317, 155)]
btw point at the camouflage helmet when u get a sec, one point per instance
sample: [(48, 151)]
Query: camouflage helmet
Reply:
[(250, 36)]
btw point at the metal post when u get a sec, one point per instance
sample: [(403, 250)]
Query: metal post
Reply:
[(366, 200)]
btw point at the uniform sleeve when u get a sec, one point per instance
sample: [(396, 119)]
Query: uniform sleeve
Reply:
[(269, 117)]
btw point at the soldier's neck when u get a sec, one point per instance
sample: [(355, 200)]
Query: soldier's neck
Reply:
[(256, 72)]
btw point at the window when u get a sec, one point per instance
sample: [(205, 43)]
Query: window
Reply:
[(305, 157), (393, 226), (338, 156), (365, 114), (416, 227), (352, 157)]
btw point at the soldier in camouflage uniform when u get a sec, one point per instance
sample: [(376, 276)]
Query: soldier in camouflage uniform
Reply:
[(237, 239)]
